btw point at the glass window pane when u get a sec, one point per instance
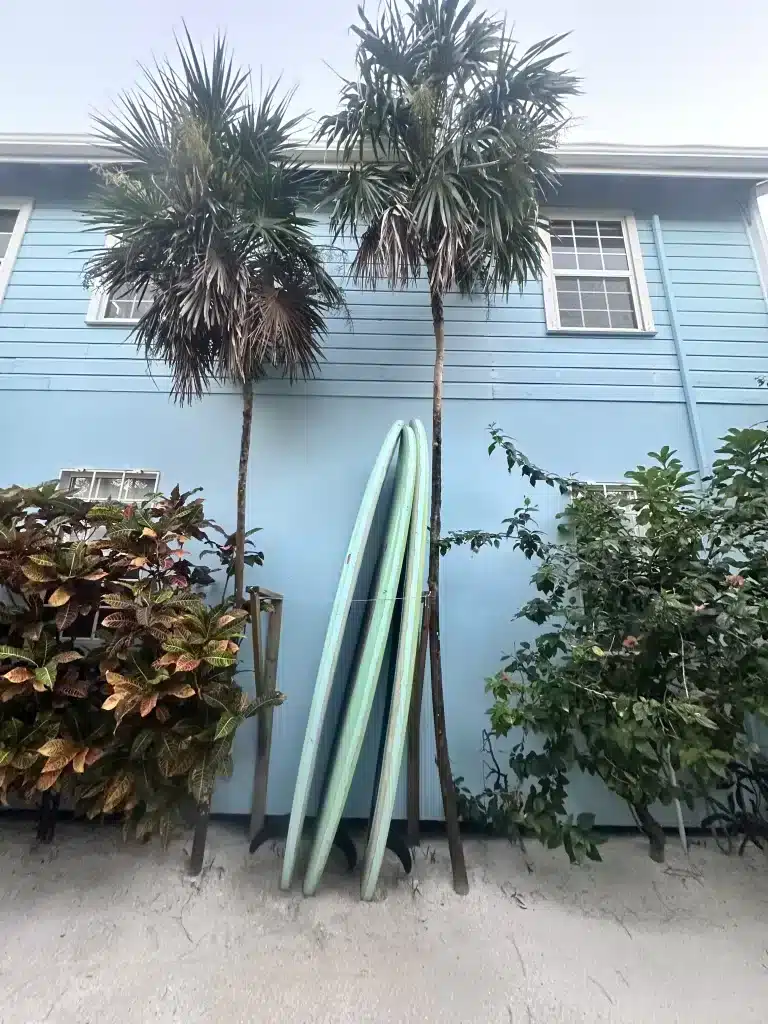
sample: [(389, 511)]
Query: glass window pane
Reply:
[(594, 318), (4, 242), (108, 486), (562, 239), (610, 229), (563, 260), (619, 285), (7, 221), (136, 488), (590, 260), (124, 304), (591, 284), (623, 321), (615, 261), (620, 301), (560, 227), (567, 284), (594, 300), (585, 228), (79, 485)]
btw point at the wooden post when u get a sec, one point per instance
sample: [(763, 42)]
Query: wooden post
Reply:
[(413, 779), (265, 674)]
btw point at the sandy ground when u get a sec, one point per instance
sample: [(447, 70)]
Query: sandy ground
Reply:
[(95, 932)]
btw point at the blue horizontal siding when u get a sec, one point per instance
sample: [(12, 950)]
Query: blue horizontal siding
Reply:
[(385, 349), (725, 333)]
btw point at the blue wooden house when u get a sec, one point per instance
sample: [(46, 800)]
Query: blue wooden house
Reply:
[(649, 328)]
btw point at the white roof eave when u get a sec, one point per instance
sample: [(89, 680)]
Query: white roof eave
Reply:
[(747, 163)]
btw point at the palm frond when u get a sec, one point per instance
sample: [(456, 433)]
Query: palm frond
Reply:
[(389, 250), (209, 217), (450, 130)]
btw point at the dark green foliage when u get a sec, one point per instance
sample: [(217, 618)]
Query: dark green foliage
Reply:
[(209, 217), (134, 713), (448, 132), (654, 646)]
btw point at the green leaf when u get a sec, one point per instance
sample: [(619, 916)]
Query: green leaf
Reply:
[(201, 780), (14, 652), (45, 677), (219, 660), (226, 726), (141, 743)]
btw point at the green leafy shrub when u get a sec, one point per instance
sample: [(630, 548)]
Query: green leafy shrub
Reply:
[(117, 679), (653, 643)]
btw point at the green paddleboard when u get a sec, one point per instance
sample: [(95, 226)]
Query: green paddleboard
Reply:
[(410, 627), (334, 637), (370, 661)]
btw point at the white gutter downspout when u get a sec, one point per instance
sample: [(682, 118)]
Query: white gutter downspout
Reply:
[(682, 360)]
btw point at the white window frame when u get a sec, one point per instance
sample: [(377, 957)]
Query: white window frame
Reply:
[(99, 472), (612, 489), (24, 212), (97, 306), (635, 274)]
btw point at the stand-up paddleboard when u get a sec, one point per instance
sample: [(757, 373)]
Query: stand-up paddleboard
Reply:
[(410, 627), (369, 665), (334, 637)]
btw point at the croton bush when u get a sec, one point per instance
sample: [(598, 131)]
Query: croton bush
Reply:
[(117, 677)]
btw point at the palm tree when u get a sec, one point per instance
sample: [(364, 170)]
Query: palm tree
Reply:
[(446, 139), (205, 217)]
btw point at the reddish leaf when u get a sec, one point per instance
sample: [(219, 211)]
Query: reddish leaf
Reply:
[(59, 597), (18, 675), (47, 780), (181, 690), (186, 663), (148, 705)]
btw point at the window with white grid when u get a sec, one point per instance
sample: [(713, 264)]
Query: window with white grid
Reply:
[(8, 220), (109, 485), (14, 215), (104, 485), (594, 277), (624, 496), (124, 304), (119, 307)]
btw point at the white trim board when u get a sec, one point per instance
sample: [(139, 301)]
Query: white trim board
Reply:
[(24, 208), (705, 161)]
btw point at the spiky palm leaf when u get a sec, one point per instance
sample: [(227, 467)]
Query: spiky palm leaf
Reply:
[(206, 216), (448, 133)]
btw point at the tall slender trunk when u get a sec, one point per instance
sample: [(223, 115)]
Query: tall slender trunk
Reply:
[(242, 480), (460, 880), (654, 831)]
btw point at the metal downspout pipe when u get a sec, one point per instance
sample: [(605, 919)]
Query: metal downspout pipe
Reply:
[(682, 360)]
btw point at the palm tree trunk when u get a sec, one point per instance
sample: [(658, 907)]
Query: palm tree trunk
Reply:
[(242, 479), (460, 880)]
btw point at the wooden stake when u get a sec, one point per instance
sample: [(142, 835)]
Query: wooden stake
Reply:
[(265, 674), (413, 781)]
